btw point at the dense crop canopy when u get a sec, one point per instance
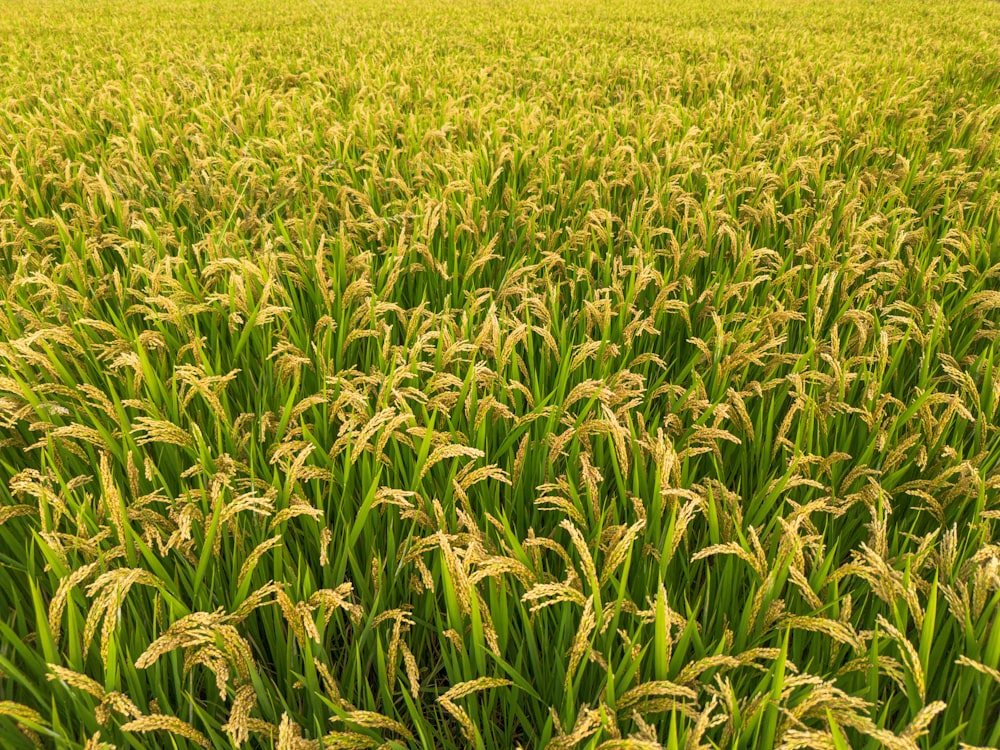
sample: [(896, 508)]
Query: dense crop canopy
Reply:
[(495, 374)]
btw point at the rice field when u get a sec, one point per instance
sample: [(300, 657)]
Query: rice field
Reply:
[(499, 374)]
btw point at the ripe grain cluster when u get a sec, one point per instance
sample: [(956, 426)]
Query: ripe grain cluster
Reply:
[(542, 374)]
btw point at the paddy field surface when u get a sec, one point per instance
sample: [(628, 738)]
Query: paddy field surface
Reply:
[(612, 376)]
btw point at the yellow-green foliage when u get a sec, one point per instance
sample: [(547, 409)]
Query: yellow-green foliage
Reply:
[(499, 374)]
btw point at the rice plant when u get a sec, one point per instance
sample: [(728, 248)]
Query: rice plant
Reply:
[(551, 374)]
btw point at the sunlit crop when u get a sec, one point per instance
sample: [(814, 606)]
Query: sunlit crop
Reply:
[(552, 374)]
